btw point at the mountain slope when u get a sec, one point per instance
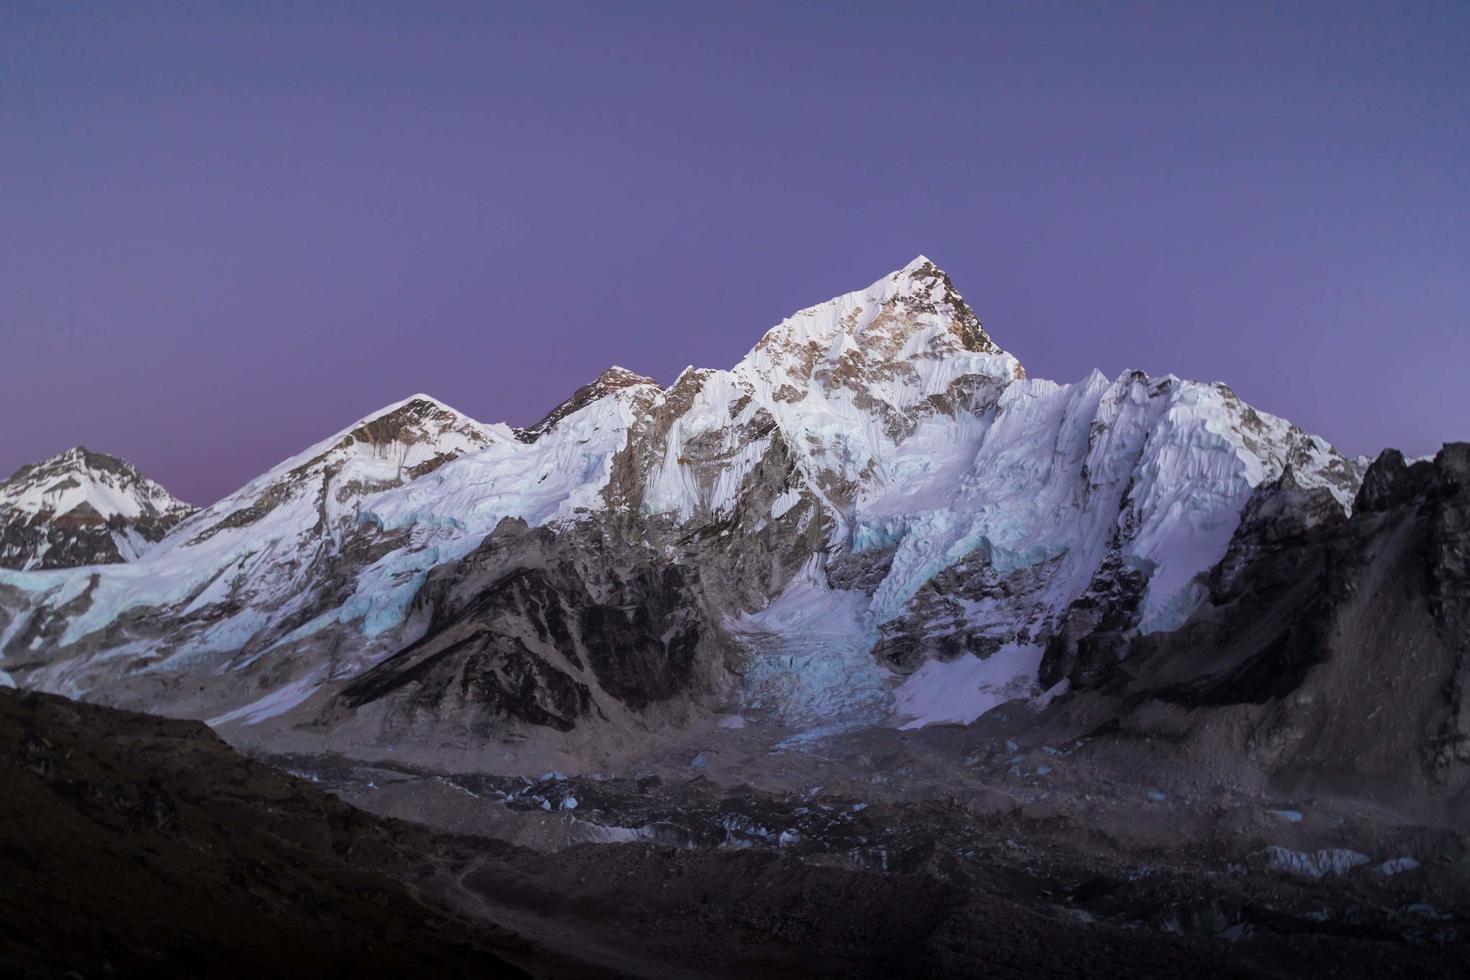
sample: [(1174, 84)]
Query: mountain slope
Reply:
[(1331, 653), (145, 847), (874, 499), (82, 508), (138, 846)]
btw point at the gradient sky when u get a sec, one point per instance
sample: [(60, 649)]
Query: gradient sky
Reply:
[(227, 230)]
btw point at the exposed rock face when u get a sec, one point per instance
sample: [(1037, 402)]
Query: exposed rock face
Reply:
[(82, 508), (545, 629), (875, 492), (1338, 644)]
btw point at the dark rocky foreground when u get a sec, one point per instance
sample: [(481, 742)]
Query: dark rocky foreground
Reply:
[(142, 846), (138, 846)]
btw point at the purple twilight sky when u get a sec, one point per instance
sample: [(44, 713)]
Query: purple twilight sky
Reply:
[(227, 230)]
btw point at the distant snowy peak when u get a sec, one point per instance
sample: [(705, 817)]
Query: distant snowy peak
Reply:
[(613, 380), (82, 508), (875, 485), (317, 490), (93, 482), (412, 437), (911, 311), (423, 432), (904, 340), (111, 487), (924, 287)]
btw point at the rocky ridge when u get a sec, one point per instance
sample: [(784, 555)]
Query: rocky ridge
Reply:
[(1331, 652), (874, 501)]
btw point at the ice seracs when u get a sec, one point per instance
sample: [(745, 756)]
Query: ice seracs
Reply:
[(876, 509)]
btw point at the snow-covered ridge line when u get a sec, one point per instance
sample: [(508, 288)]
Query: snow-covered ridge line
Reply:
[(79, 477), (902, 473), (80, 507)]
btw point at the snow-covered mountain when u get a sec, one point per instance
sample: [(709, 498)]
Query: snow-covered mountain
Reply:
[(82, 508), (874, 507)]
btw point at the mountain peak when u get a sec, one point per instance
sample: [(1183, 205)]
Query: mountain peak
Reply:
[(417, 419), (932, 289), (911, 316), (419, 402), (613, 379), (77, 457), (72, 465), (81, 507), (617, 376)]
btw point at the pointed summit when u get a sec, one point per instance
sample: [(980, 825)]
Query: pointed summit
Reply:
[(610, 381), (314, 494), (931, 288), (417, 418), (620, 377), (82, 508), (900, 340), (79, 476), (920, 296)]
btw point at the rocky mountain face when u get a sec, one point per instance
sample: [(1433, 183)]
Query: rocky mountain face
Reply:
[(1330, 650), (82, 508), (870, 653), (875, 517)]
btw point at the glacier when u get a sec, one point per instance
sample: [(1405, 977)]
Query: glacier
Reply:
[(930, 517)]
